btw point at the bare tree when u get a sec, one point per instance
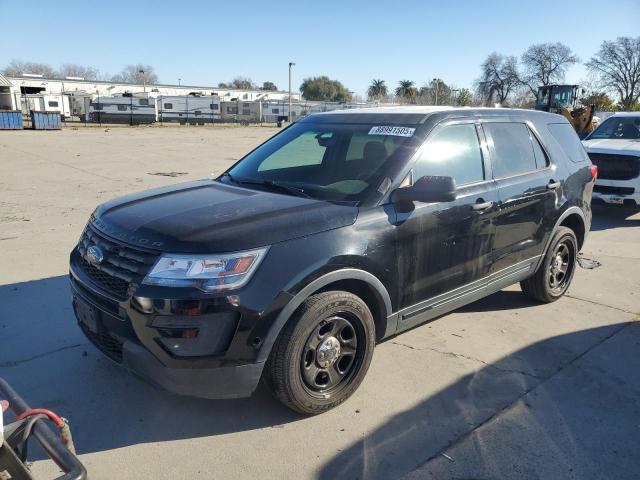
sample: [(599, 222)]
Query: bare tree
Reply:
[(18, 67), (243, 83), (73, 70), (435, 92), (617, 64), (498, 79), (137, 73), (546, 64)]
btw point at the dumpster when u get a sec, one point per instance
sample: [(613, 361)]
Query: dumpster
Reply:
[(45, 120), (11, 120)]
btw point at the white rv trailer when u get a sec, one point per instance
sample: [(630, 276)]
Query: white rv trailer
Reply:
[(191, 109), (44, 102), (278, 110), (134, 109)]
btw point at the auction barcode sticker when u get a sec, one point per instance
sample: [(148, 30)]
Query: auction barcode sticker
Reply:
[(390, 130)]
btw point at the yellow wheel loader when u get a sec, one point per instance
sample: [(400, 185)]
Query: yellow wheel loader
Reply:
[(566, 100)]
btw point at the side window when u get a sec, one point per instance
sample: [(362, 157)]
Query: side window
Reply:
[(541, 158), (144, 101), (168, 106), (569, 141), (512, 148), (122, 108), (302, 151), (53, 104), (453, 151)]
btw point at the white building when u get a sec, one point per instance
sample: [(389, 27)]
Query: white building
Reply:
[(33, 84)]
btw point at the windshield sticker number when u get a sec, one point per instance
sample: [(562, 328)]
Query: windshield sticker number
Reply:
[(394, 131)]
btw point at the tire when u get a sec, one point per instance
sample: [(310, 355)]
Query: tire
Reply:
[(540, 286), (305, 370)]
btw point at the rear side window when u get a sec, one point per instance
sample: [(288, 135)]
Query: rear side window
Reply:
[(569, 141), (453, 151), (512, 149)]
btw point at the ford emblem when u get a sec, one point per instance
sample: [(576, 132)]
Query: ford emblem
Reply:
[(94, 254)]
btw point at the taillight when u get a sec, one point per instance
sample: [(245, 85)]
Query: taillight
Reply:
[(594, 172)]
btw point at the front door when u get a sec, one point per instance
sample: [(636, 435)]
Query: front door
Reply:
[(445, 246)]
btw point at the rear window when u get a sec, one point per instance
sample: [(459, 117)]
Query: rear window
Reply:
[(569, 141)]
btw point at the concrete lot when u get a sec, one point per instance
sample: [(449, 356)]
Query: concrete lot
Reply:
[(504, 388)]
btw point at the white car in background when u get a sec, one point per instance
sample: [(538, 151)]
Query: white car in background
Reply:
[(615, 148)]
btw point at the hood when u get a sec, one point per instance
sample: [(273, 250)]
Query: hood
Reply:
[(607, 145), (210, 217)]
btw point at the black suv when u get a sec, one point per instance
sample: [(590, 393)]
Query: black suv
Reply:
[(340, 231)]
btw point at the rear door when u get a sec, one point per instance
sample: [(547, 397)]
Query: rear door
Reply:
[(528, 186)]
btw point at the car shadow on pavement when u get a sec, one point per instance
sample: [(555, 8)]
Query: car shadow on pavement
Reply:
[(606, 217), (502, 300), (574, 420)]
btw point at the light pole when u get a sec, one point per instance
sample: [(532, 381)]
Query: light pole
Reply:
[(179, 80), (435, 80), (144, 81), (291, 64)]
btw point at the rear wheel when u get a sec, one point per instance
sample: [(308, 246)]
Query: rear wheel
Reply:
[(554, 275), (323, 353)]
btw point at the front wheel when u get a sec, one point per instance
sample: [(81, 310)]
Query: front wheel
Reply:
[(554, 275), (323, 353)]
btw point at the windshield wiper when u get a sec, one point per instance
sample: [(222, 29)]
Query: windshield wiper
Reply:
[(297, 191)]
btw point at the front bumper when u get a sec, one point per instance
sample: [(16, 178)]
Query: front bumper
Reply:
[(619, 192), (136, 341), (236, 381)]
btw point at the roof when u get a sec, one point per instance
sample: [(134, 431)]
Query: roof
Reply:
[(428, 110), (625, 114), (4, 82), (400, 109)]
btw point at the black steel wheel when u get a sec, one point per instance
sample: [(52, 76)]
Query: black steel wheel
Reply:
[(331, 354), (561, 266), (323, 353), (553, 277)]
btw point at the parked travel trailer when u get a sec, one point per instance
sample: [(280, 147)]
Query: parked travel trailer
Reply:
[(191, 109), (80, 104), (278, 111), (260, 111), (134, 109), (50, 103)]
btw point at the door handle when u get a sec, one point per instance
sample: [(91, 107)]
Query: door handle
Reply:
[(482, 205), (553, 185)]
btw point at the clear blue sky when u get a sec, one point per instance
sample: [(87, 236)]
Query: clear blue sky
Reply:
[(206, 42)]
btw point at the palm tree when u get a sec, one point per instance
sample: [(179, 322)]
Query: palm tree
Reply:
[(377, 89), (406, 90)]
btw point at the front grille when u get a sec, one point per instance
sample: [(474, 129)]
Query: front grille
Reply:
[(114, 285), (607, 190), (616, 167), (105, 342), (123, 266)]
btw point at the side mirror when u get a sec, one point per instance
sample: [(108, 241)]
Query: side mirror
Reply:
[(427, 189)]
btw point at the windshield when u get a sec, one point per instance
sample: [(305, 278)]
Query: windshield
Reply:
[(618, 128), (334, 162)]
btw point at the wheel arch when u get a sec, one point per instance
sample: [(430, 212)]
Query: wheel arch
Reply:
[(576, 223), (573, 217), (359, 282)]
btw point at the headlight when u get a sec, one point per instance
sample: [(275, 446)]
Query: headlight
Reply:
[(209, 273)]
